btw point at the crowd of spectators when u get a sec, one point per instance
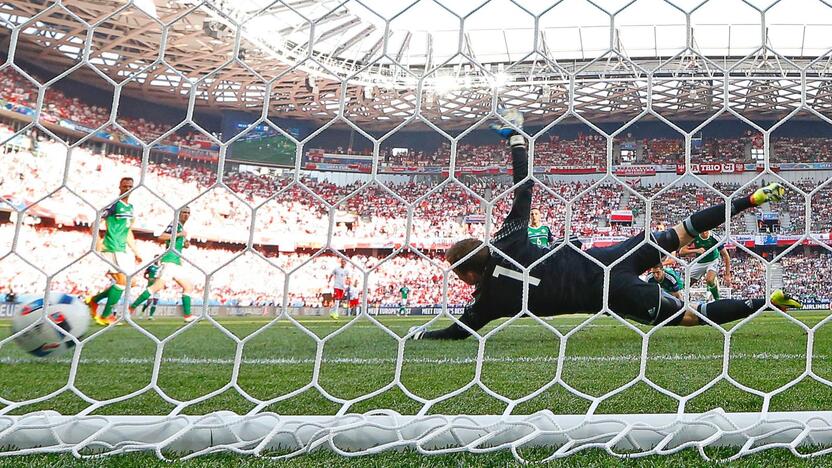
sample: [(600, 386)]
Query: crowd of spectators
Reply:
[(15, 90), (804, 275), (590, 151), (688, 197), (820, 203), (711, 150), (582, 150), (665, 151), (246, 279), (792, 149), (678, 201), (222, 210), (749, 276), (368, 211), (807, 276), (237, 277), (249, 279)]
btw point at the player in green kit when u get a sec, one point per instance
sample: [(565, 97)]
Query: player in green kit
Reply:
[(539, 234), (118, 236), (171, 262), (708, 265), (668, 279), (151, 274), (405, 292)]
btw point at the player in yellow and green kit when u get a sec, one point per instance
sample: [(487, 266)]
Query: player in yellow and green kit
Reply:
[(539, 234), (176, 238), (118, 221), (708, 265)]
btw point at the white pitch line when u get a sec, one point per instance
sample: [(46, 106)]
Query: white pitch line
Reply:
[(437, 361)]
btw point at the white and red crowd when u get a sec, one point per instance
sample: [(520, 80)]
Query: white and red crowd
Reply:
[(290, 216)]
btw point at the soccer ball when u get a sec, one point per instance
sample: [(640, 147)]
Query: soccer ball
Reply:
[(67, 312)]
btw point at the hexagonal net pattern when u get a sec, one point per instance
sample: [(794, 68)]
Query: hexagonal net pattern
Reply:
[(257, 369)]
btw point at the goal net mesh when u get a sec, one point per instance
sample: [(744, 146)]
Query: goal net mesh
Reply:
[(367, 72)]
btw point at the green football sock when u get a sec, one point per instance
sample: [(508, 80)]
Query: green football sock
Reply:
[(186, 304), (139, 300), (100, 296), (714, 289), (113, 297), (152, 309)]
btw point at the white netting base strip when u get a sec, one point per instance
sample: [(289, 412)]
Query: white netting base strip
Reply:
[(269, 434)]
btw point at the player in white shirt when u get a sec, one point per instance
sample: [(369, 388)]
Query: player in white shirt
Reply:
[(338, 277)]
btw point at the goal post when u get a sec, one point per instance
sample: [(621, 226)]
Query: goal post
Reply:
[(452, 93)]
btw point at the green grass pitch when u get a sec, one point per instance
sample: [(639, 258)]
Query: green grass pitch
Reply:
[(766, 354)]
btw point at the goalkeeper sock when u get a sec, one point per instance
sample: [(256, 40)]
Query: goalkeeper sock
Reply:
[(186, 305), (710, 218), (728, 310), (100, 296), (714, 289), (139, 300), (113, 296)]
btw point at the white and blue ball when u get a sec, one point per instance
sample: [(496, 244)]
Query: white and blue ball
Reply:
[(68, 316)]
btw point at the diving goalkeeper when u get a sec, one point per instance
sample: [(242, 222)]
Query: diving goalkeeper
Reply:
[(568, 282)]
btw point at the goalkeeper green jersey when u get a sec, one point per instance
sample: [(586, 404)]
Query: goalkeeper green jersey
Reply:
[(540, 236), (119, 218), (172, 256), (706, 244)]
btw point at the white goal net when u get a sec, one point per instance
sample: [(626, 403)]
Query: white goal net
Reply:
[(309, 138)]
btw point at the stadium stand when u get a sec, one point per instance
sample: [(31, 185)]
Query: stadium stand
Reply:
[(583, 150), (220, 216)]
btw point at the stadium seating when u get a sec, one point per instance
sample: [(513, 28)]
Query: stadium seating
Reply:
[(288, 211), (27, 174), (584, 150)]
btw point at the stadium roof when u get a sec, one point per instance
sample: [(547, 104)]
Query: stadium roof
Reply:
[(300, 52), (503, 31)]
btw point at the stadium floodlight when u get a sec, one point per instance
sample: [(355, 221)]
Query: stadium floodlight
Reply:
[(446, 84), (500, 79), (273, 426)]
